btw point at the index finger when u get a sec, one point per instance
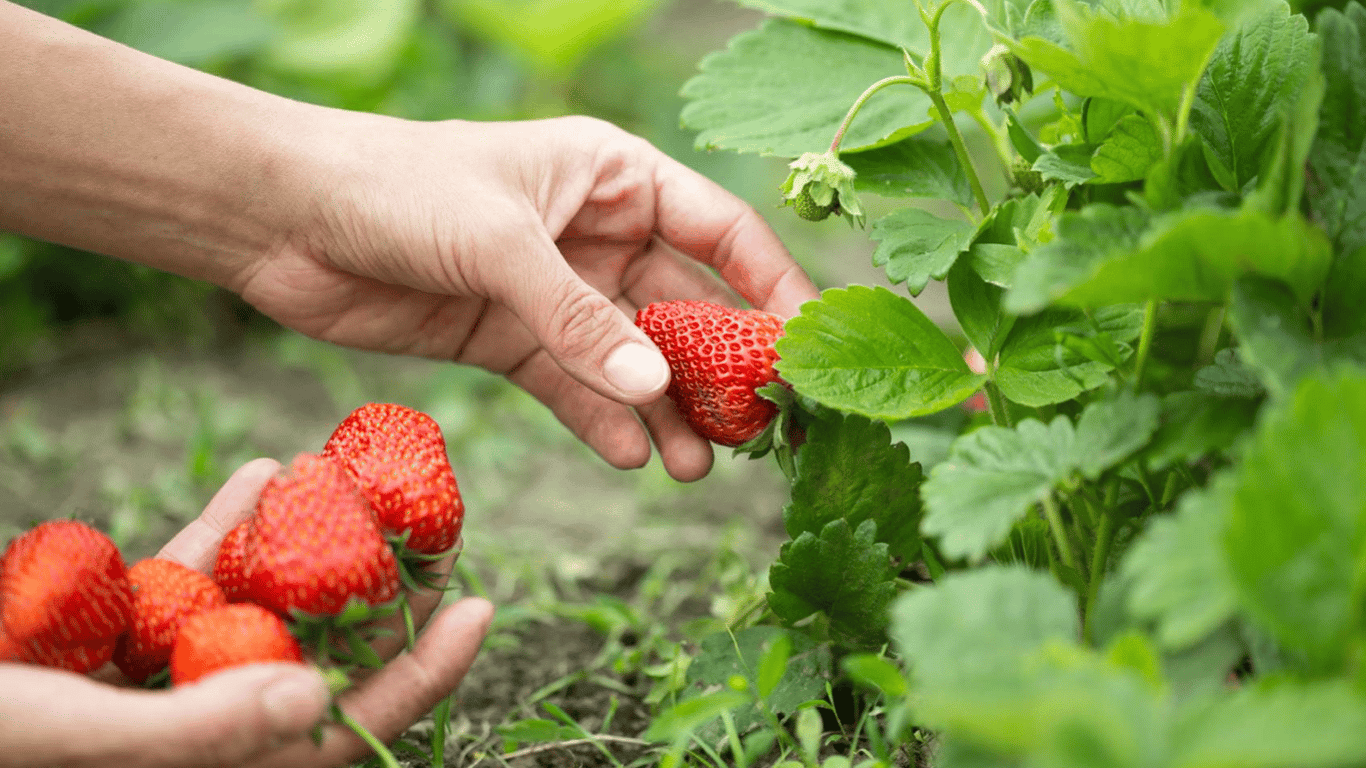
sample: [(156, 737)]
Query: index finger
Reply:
[(696, 216)]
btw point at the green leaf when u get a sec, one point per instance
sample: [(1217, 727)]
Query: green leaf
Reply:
[(915, 167), (554, 35), (773, 666), (977, 306), (1296, 536), (1176, 568), (723, 655), (1344, 314), (1036, 368), (1192, 255), (1229, 376), (1145, 62), (872, 352), (190, 33), (891, 23), (784, 89), (680, 720), (358, 40), (843, 573), (849, 469), (974, 620), (876, 672), (993, 476), (1337, 161), (914, 245), (1276, 337), (1128, 152), (1273, 726), (1197, 424), (1254, 78), (1068, 163)]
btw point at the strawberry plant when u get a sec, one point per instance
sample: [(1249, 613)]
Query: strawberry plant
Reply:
[(1149, 549)]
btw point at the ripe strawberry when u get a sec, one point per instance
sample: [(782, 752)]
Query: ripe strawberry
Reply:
[(165, 595), (230, 636), (9, 650), (314, 543), (232, 559), (718, 357), (398, 458), (64, 594), (977, 364)]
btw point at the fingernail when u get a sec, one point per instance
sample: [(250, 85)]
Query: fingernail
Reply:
[(295, 702), (635, 369)]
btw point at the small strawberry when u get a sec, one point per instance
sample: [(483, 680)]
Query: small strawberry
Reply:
[(230, 636), (397, 456), (64, 594), (718, 357), (314, 544), (232, 559), (165, 595)]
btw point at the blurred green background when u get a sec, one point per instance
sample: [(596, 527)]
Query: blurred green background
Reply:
[(127, 395)]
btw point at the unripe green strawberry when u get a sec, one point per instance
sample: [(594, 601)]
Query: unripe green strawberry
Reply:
[(314, 543), (397, 457), (165, 595), (64, 595), (810, 210), (230, 636), (718, 356)]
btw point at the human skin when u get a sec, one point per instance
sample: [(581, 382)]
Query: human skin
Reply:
[(259, 715), (524, 247)]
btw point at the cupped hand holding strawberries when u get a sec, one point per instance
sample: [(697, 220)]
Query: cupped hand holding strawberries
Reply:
[(258, 715)]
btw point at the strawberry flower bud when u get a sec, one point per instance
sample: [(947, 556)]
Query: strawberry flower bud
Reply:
[(1007, 76), (820, 184)]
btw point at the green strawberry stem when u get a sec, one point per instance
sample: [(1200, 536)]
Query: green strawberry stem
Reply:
[(1055, 524), (1145, 341), (386, 758), (1105, 537), (863, 98), (934, 88)]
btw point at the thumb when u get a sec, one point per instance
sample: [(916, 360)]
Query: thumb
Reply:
[(580, 328), (223, 720)]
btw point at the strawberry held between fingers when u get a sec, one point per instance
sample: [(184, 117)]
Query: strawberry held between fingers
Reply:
[(397, 456), (314, 544), (165, 595), (64, 595), (230, 636), (718, 356), (228, 568)]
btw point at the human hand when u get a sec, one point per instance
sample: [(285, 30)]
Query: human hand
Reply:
[(258, 715), (524, 248)]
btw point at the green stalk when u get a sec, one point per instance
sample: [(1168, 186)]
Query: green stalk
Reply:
[(386, 758), (1145, 341), (1209, 336), (1109, 525), (863, 98), (1055, 524), (934, 88), (996, 405)]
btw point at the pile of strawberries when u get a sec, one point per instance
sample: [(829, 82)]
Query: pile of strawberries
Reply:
[(334, 538)]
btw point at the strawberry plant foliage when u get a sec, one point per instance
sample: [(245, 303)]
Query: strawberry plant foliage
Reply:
[(1149, 548)]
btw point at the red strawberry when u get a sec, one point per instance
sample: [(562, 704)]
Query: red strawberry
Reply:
[(64, 594), (9, 650), (314, 543), (718, 357), (165, 595), (228, 569), (398, 458), (230, 636)]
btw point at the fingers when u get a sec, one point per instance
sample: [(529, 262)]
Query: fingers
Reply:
[(698, 217), (196, 545), (587, 335), (58, 719), (401, 693)]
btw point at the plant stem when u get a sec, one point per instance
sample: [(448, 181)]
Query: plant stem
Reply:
[(959, 148), (386, 758), (996, 405), (1054, 516), (1145, 341), (863, 98), (1109, 525), (1209, 336)]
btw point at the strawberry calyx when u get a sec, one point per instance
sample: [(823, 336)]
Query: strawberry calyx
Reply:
[(343, 639), (783, 434), (414, 567)]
